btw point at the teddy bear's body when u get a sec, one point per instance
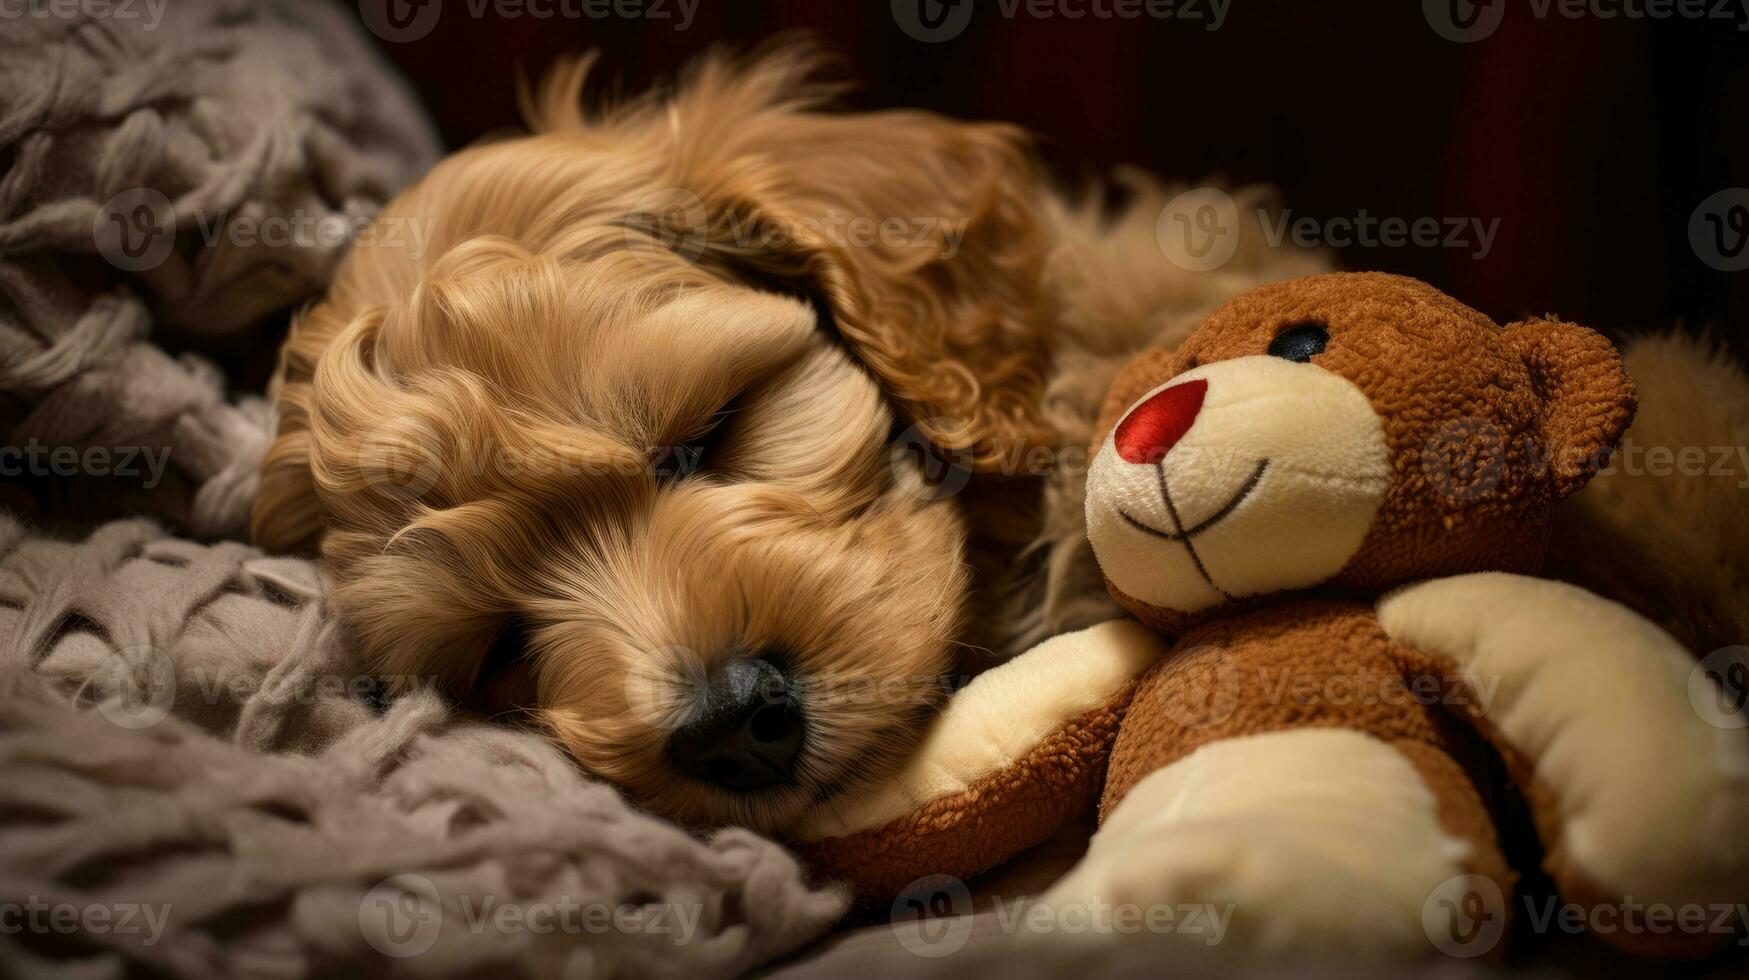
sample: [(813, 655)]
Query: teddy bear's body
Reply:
[(1360, 733), (1329, 498), (1295, 665)]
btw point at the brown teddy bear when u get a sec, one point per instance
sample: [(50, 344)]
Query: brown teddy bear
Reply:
[(1330, 498)]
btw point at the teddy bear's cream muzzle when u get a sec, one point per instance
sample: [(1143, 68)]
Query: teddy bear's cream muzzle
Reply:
[(1267, 481)]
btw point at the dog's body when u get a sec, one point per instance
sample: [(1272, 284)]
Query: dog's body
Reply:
[(626, 426)]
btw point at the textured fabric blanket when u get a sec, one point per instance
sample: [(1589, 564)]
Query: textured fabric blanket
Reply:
[(196, 777), (182, 169)]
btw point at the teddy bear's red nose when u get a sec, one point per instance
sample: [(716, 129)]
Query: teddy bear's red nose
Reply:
[(1156, 425)]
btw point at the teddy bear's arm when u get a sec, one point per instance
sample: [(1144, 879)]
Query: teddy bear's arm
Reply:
[(1636, 795), (1015, 754)]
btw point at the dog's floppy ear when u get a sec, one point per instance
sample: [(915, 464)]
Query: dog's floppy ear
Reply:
[(922, 234), (1588, 398)]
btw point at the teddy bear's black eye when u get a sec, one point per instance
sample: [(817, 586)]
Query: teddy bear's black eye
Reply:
[(1299, 342)]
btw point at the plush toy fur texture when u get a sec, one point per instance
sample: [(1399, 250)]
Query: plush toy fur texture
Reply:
[(1309, 748)]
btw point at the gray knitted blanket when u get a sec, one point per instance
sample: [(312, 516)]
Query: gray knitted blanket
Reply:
[(179, 168), (196, 778)]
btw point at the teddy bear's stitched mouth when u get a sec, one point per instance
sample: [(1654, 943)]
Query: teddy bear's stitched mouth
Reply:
[(1213, 519)]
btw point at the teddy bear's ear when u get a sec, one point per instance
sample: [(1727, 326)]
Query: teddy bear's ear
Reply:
[(1587, 396)]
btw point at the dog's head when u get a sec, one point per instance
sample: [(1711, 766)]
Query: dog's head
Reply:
[(1356, 431), (634, 443)]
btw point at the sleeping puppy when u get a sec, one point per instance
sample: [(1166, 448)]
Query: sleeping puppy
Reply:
[(633, 444)]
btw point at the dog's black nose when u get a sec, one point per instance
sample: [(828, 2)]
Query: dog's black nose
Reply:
[(747, 732)]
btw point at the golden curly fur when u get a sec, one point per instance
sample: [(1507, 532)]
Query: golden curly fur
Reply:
[(641, 443)]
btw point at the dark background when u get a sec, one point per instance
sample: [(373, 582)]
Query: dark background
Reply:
[(1593, 140)]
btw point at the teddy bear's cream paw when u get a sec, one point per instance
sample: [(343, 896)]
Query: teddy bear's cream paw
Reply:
[(1317, 841)]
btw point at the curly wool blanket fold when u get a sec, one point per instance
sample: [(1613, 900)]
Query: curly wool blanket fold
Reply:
[(231, 797)]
